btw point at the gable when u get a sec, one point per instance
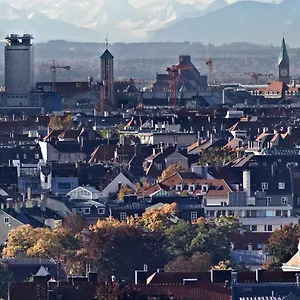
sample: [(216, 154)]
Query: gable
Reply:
[(176, 155)]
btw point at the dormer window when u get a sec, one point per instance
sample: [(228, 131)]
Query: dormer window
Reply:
[(101, 211), (87, 211), (281, 185), (191, 188), (179, 188)]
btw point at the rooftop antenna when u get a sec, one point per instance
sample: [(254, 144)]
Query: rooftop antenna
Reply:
[(106, 41)]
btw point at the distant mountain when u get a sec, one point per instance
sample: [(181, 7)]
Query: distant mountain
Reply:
[(13, 20), (217, 4), (245, 21)]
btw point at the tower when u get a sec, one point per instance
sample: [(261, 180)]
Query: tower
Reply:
[(19, 69), (107, 78), (284, 64)]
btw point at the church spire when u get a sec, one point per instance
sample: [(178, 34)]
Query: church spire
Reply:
[(283, 57)]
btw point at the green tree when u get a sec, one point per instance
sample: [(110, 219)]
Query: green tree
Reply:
[(282, 245), (215, 156)]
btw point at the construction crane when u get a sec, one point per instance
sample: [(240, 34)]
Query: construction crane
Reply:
[(209, 63), (174, 74), (255, 76), (53, 69)]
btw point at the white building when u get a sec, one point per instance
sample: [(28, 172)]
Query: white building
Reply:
[(84, 193), (19, 69)]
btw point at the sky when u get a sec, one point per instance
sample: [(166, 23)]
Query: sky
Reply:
[(139, 3)]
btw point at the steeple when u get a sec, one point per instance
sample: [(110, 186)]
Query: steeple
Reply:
[(283, 57)]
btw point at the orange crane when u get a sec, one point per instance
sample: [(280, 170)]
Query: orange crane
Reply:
[(209, 63), (53, 69), (174, 74)]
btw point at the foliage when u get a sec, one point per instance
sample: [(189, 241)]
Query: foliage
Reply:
[(124, 190), (229, 224), (158, 220), (223, 265), (141, 186), (74, 223), (198, 262), (57, 122), (119, 248), (110, 133), (171, 170), (185, 239), (59, 244), (282, 245), (116, 291), (215, 156)]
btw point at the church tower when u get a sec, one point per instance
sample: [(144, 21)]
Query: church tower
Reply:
[(284, 64), (107, 78)]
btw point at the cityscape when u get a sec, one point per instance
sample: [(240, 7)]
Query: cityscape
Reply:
[(166, 178)]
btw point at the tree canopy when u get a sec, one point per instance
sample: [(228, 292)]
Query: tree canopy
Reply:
[(216, 156), (282, 245)]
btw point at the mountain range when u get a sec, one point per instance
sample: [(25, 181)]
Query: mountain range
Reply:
[(90, 20)]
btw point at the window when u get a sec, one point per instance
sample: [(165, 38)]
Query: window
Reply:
[(268, 228), (284, 200), (259, 246), (87, 211), (24, 155), (80, 210), (191, 188), (101, 211), (6, 220), (254, 227), (123, 216), (268, 201), (64, 186), (298, 201), (159, 167), (17, 156), (264, 185), (194, 216), (281, 185), (37, 156), (175, 139), (179, 188)]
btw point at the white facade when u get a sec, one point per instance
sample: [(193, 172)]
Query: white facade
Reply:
[(19, 69), (84, 193), (50, 154), (114, 186)]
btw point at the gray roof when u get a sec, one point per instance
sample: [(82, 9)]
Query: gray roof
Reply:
[(260, 298), (42, 272), (283, 57)]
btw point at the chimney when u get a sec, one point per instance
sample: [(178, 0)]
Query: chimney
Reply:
[(29, 193), (234, 276), (289, 130), (298, 279), (258, 275), (140, 277), (247, 182)]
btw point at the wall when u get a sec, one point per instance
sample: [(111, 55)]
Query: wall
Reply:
[(5, 228), (113, 187), (57, 181)]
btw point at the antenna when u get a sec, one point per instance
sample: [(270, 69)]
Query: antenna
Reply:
[(106, 41)]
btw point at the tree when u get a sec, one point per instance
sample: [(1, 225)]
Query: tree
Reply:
[(74, 223), (171, 170), (158, 220), (215, 156), (198, 262), (57, 122), (229, 224), (124, 190), (119, 248), (282, 245), (116, 291)]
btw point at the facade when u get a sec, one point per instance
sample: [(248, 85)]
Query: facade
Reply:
[(107, 77), (19, 69), (84, 193)]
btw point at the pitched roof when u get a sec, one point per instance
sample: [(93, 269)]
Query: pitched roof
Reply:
[(42, 272), (107, 55), (283, 56)]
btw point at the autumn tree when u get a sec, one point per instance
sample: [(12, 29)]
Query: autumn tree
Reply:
[(215, 156), (124, 190), (282, 245), (57, 122), (74, 223), (159, 219), (171, 170), (119, 248), (198, 262)]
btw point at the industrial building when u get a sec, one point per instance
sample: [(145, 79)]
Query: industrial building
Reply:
[(19, 69), (20, 94)]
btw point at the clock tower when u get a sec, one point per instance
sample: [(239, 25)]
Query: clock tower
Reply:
[(284, 64)]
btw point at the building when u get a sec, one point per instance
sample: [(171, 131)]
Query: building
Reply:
[(19, 69), (284, 64), (107, 78)]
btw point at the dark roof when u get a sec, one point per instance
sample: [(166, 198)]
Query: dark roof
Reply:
[(283, 56), (107, 55)]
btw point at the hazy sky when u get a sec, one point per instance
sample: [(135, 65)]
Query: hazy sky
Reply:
[(139, 3)]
